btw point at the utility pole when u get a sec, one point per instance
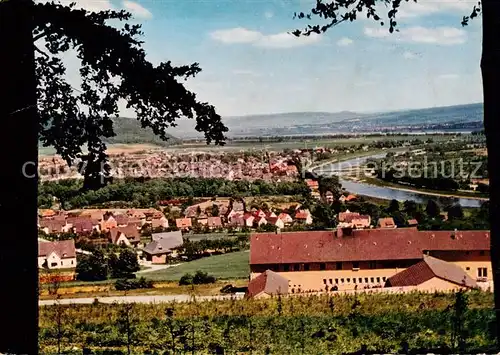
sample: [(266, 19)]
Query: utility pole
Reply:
[(18, 179)]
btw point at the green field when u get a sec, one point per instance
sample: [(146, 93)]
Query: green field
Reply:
[(227, 266)]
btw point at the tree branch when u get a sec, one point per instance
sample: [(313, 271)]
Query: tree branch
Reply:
[(41, 52), (39, 36)]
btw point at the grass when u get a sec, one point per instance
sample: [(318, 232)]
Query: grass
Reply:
[(227, 266)]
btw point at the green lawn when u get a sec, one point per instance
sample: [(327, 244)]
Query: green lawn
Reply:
[(228, 266)]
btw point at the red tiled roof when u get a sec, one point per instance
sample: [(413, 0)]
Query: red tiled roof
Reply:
[(361, 245), (387, 222), (272, 220), (63, 248), (284, 216), (214, 222), (412, 222), (183, 222), (463, 240), (348, 216), (429, 268), (52, 225), (301, 215), (131, 233), (121, 219), (269, 282)]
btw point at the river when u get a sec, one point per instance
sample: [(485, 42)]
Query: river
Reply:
[(382, 192)]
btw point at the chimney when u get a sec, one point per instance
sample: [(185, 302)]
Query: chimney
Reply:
[(454, 234)]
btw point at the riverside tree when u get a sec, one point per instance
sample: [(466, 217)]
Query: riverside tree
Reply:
[(39, 105), (331, 13)]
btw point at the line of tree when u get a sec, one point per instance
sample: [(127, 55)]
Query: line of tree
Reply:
[(196, 249), (434, 215), (147, 193)]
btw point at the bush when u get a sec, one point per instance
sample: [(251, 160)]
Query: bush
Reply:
[(203, 278), (126, 284), (186, 279), (199, 278)]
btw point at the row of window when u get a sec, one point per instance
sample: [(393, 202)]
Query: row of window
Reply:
[(322, 266), (355, 280)]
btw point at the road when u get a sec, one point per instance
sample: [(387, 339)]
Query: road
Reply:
[(137, 299)]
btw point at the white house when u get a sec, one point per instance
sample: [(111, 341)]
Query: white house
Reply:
[(57, 255)]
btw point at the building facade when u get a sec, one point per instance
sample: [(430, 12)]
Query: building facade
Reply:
[(350, 259)]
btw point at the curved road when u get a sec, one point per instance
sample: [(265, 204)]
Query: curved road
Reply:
[(137, 299)]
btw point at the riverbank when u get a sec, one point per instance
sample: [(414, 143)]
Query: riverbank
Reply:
[(378, 182), (381, 191)]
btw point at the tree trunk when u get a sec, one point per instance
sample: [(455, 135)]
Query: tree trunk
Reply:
[(490, 68), (18, 180)]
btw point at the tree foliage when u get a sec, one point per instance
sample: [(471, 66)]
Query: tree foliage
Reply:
[(113, 67), (334, 12)]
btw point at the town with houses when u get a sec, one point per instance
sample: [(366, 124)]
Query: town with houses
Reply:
[(358, 255), (263, 227)]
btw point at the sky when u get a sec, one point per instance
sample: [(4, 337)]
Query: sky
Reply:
[(251, 65)]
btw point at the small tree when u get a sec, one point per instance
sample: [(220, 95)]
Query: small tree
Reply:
[(458, 318), (432, 209), (455, 212), (215, 210), (393, 206), (92, 267), (126, 264)]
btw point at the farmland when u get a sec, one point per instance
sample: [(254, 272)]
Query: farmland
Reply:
[(301, 325)]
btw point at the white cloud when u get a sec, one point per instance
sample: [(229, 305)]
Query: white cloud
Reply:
[(287, 40), (429, 7), (279, 40), (409, 55), (268, 14), (418, 34), (344, 41), (236, 35), (137, 9)]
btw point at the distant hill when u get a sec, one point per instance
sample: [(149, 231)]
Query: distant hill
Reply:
[(451, 118), (129, 131)]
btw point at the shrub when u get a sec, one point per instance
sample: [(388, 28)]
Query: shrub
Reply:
[(130, 284), (186, 279), (199, 278)]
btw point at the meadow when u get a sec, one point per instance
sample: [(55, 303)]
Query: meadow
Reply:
[(327, 324), (226, 266)]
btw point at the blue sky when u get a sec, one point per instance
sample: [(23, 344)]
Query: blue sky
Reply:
[(251, 65)]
